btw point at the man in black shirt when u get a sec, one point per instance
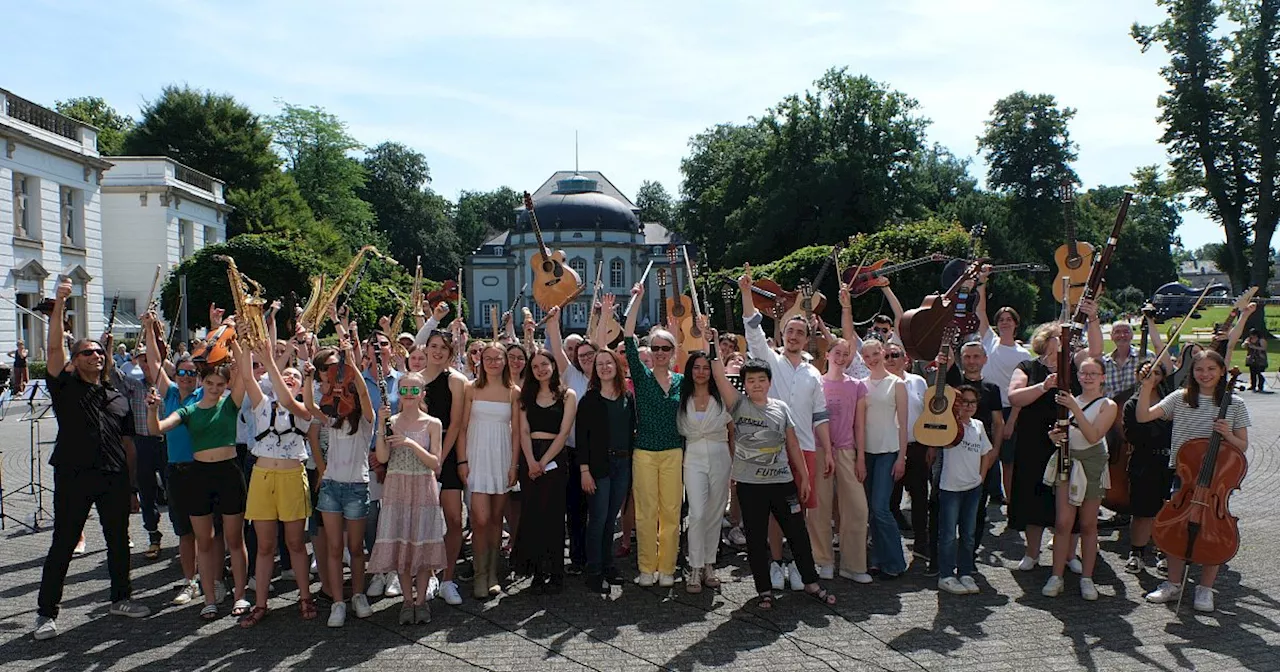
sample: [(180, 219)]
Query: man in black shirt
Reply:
[(93, 465), (973, 357)]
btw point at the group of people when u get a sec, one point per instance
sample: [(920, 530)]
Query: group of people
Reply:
[(376, 448)]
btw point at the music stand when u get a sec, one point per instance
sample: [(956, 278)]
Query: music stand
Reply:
[(35, 485)]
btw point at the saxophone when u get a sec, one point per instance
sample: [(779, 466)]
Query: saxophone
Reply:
[(246, 293), (397, 323), (323, 298)]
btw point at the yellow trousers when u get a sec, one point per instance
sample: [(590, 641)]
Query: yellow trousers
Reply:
[(844, 487), (656, 484)]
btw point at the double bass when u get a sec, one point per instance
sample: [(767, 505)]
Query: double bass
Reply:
[(1196, 524)]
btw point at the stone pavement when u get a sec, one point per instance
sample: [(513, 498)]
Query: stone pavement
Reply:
[(902, 625)]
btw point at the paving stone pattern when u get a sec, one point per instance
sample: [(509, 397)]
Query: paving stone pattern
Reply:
[(902, 625)]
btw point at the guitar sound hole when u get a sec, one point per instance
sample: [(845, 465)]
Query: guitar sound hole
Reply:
[(1074, 262), (937, 406)]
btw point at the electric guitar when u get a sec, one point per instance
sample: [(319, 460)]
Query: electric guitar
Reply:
[(862, 279)]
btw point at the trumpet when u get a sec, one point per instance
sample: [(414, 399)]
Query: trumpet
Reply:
[(246, 293)]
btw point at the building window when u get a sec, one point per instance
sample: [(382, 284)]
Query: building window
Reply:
[(21, 216), (578, 313), (487, 308), (579, 266), (537, 311), (497, 251), (210, 235), (186, 238), (71, 217), (617, 275)]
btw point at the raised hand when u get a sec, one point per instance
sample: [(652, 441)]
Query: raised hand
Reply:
[(744, 280)]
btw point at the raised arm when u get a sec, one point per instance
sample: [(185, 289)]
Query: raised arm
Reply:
[(602, 325), (984, 322), (241, 370), (895, 305), (728, 393), (154, 371), (1157, 344), (283, 397), (629, 329), (57, 357), (155, 425), (846, 319), (1147, 410), (425, 327), (554, 341)]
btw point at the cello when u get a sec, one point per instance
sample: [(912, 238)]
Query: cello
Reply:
[(1196, 524), (1116, 497)]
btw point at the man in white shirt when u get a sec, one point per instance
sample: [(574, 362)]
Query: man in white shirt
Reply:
[(796, 382)]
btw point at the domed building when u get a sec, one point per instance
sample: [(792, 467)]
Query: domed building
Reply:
[(596, 225)]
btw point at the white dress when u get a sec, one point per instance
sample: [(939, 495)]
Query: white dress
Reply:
[(489, 446)]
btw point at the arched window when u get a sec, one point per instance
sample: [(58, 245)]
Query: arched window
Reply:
[(617, 275), (579, 266)]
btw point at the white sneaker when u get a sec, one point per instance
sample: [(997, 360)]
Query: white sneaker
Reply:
[(1165, 592), (393, 585), (46, 628), (646, 580), (219, 592), (856, 577), (346, 557), (793, 577), (777, 576), (253, 585), (377, 586), (1027, 563), (1204, 599), (1052, 587), (189, 592), (449, 591), (970, 586), (952, 585), (1134, 565), (360, 604), (1088, 590), (338, 615), (433, 588), (666, 580), (1075, 565), (826, 572)]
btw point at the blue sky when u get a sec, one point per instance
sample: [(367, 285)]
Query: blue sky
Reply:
[(492, 92)]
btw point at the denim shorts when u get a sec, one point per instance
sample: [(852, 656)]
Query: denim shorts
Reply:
[(349, 499)]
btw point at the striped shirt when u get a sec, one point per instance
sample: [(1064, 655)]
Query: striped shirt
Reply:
[(1197, 423)]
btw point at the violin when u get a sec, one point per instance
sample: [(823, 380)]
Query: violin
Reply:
[(448, 292), (767, 296), (1196, 523), (339, 398), (215, 349)]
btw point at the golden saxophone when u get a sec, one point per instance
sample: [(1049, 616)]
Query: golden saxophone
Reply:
[(251, 329), (323, 298)]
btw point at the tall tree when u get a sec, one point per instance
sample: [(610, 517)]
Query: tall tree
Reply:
[(210, 132), (414, 220), (654, 203), (481, 214), (1220, 118), (316, 147), (112, 126)]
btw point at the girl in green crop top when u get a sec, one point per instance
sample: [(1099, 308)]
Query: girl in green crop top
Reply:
[(213, 484)]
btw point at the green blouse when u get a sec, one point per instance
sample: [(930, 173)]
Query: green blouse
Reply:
[(656, 427)]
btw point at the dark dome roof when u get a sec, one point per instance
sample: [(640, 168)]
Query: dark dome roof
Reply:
[(577, 204)]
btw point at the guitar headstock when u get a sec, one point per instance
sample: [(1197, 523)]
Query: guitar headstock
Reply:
[(778, 310), (673, 255), (805, 289), (979, 230), (662, 278), (1067, 191), (528, 201)]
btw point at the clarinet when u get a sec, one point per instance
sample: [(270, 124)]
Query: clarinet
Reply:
[(382, 384)]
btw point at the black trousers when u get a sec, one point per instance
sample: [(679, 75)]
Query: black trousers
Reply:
[(781, 500), (916, 480), (74, 492)]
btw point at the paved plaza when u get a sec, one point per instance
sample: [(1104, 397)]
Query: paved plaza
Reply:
[(901, 625)]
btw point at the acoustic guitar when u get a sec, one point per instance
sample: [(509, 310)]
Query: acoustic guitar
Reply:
[(937, 425), (1075, 258), (679, 306), (694, 339), (814, 301), (553, 280)]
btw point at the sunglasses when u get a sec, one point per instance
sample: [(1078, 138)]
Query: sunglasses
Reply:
[(92, 351), (186, 373), (893, 355), (662, 348), (410, 391)]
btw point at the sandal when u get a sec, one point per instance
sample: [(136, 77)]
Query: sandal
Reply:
[(241, 608), (254, 617), (764, 602), (307, 607), (822, 595), (153, 552), (209, 612)]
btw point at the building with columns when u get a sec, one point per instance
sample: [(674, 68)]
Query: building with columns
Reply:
[(596, 226), (50, 220)]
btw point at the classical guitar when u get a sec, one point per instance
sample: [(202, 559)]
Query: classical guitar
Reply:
[(679, 306), (862, 279), (937, 425), (814, 302), (611, 327), (553, 280), (1074, 258), (694, 339), (817, 346)]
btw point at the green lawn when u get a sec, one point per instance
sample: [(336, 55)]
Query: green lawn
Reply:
[(1209, 317)]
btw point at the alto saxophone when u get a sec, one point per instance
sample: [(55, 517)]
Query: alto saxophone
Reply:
[(251, 329), (323, 298)]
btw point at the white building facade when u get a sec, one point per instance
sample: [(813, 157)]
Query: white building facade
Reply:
[(50, 220), (584, 215), (155, 212)]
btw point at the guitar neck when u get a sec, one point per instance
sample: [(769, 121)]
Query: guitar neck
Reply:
[(899, 267), (662, 306)]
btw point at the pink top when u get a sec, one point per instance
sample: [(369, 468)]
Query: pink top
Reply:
[(842, 405)]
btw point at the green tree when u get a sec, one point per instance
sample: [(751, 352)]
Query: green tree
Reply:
[(210, 132), (277, 207), (1027, 146), (112, 126), (1143, 257), (1220, 117), (415, 220), (939, 180), (654, 203), (316, 147), (481, 214)]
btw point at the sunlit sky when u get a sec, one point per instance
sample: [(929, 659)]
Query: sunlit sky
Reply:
[(493, 92)]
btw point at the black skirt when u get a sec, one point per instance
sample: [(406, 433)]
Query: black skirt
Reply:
[(539, 545)]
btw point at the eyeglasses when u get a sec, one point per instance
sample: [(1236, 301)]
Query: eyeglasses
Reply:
[(966, 402), (186, 373), (894, 355), (410, 391), (92, 351), (662, 348), (495, 360)]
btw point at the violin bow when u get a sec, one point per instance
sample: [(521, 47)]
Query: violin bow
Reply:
[(1173, 336)]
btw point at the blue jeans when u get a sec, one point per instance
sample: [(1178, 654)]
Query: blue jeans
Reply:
[(886, 551), (611, 494), (957, 510)]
